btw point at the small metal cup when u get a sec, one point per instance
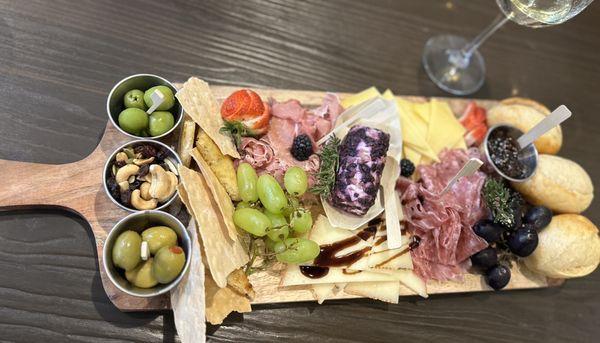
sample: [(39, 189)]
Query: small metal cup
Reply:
[(111, 159), (139, 222), (114, 103), (528, 156)]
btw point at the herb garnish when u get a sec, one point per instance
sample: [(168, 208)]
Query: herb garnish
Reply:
[(330, 159), (235, 130), (499, 199)]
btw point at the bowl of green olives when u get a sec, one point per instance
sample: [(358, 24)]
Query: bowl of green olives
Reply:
[(131, 98), (142, 175), (147, 253)]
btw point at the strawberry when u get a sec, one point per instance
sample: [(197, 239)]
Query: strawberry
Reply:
[(241, 105), (476, 135), (473, 116)]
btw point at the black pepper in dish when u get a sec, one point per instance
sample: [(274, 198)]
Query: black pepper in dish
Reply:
[(504, 153)]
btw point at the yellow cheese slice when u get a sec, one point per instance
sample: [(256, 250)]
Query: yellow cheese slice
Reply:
[(423, 109), (413, 155), (444, 129), (460, 144), (388, 95), (359, 98)]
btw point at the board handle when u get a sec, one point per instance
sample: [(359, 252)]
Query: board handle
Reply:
[(26, 184)]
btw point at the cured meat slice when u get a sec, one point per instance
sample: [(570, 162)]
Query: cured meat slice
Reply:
[(362, 158)]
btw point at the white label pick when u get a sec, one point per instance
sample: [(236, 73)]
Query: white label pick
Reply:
[(157, 99)]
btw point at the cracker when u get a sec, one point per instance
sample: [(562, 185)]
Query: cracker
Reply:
[(200, 104), (187, 299), (220, 302), (186, 140), (219, 195), (222, 254)]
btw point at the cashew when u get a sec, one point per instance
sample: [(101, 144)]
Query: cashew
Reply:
[(124, 185), (145, 191), (125, 172), (140, 162), (163, 185), (140, 204), (121, 157)]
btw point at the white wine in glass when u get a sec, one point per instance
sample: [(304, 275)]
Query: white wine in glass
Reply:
[(454, 64)]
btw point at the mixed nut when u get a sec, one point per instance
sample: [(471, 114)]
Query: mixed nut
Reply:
[(142, 177)]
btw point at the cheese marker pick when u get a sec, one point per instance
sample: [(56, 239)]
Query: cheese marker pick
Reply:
[(391, 171), (560, 114), (469, 168), (157, 99)]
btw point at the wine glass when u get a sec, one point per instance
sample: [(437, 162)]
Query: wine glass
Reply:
[(455, 65)]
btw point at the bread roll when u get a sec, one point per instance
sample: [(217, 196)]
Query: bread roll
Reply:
[(525, 117), (559, 184), (568, 247), (526, 102)]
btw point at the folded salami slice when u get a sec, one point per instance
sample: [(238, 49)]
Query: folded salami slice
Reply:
[(362, 158)]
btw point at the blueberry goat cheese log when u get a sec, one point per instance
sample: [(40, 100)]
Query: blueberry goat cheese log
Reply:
[(362, 158)]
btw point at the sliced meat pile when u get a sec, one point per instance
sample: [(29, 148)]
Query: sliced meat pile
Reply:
[(362, 159), (271, 153), (444, 223)]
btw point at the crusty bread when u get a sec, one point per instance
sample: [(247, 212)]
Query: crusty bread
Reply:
[(568, 247), (559, 184), (526, 102), (525, 117)]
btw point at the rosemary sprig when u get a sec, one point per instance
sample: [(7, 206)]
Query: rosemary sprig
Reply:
[(498, 198), (330, 159), (236, 130)]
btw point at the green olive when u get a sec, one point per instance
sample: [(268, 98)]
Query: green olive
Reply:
[(168, 263), (158, 237), (142, 276), (126, 253), (133, 120), (160, 122), (167, 103), (134, 99)]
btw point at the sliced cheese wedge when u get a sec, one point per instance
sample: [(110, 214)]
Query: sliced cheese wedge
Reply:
[(293, 277), (445, 131), (387, 291), (359, 98)]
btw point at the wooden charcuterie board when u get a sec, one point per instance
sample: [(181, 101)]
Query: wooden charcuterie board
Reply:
[(77, 187)]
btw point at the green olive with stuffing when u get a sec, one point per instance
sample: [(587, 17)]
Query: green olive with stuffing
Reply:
[(168, 263)]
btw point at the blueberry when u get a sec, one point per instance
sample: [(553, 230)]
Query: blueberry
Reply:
[(407, 168), (485, 259), (498, 276), (538, 216), (523, 241), (488, 230)]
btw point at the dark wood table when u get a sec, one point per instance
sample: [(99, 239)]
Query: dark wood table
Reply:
[(59, 59)]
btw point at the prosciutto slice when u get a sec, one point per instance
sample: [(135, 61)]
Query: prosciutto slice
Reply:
[(444, 223)]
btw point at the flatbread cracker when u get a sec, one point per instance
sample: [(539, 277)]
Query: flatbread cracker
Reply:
[(187, 299), (222, 254), (238, 281), (200, 104), (219, 195), (220, 302), (186, 140)]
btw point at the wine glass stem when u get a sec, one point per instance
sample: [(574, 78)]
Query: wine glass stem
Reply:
[(460, 58)]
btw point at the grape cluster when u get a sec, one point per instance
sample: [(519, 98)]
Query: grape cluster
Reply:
[(273, 215)]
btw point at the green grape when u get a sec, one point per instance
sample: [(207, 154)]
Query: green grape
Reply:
[(246, 180), (279, 247), (295, 181), (299, 250), (243, 204), (301, 220), (251, 220), (278, 234), (270, 194), (277, 219)]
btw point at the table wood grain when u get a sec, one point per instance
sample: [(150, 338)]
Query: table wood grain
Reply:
[(59, 59)]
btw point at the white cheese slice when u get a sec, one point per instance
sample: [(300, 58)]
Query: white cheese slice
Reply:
[(293, 277), (387, 291)]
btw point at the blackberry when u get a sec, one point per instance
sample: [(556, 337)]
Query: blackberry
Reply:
[(407, 168), (302, 147)]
